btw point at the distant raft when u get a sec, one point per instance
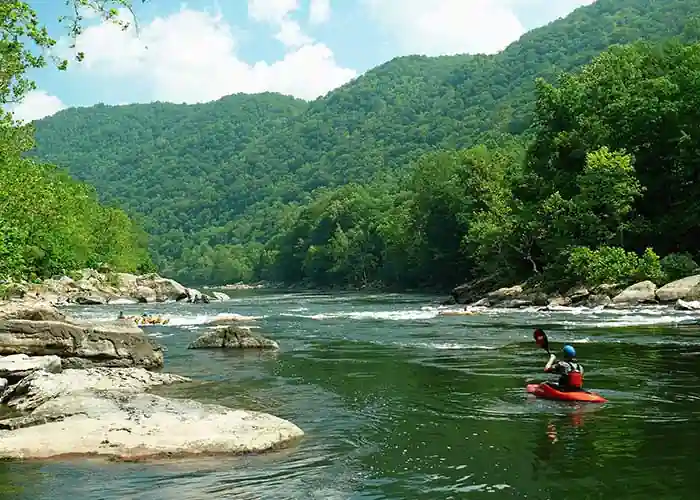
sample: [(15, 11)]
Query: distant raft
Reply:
[(149, 320)]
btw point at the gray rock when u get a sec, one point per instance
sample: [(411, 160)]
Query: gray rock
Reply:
[(639, 293), (682, 305), (114, 344), (144, 295), (37, 311), (90, 300), (505, 293), (18, 366), (40, 387), (232, 337), (220, 296), (597, 301), (559, 301), (686, 289), (577, 294), (132, 426)]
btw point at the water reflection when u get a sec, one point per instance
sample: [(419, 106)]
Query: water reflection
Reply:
[(397, 402)]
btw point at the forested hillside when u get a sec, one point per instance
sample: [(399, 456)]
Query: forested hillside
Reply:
[(211, 179)]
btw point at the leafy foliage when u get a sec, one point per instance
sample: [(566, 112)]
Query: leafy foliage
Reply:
[(238, 171), (49, 223)]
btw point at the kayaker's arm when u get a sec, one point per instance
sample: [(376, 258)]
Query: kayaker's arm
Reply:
[(548, 366)]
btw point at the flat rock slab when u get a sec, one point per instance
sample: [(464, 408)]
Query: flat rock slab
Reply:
[(114, 344), (132, 426), (40, 387), (17, 366)]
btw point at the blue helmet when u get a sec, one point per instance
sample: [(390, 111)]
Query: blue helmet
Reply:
[(569, 351)]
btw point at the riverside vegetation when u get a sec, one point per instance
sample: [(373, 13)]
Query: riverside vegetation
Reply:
[(426, 172)]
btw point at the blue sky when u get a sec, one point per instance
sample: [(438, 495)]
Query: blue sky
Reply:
[(201, 50)]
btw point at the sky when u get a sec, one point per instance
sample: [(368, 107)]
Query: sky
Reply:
[(202, 50)]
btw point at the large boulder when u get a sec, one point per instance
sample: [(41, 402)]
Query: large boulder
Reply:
[(506, 293), (577, 294), (639, 293), (232, 337), (113, 344), (37, 311), (40, 387), (18, 366), (194, 296), (104, 412), (131, 426), (686, 289), (145, 295), (165, 289)]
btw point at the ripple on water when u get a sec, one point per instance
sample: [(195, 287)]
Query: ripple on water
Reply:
[(399, 402)]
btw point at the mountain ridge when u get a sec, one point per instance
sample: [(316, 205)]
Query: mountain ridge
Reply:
[(219, 173)]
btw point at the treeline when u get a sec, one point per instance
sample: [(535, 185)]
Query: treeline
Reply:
[(217, 181), (49, 223), (608, 184)]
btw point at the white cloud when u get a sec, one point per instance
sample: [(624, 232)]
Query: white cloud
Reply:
[(277, 13), (319, 11), (191, 56), (290, 34), (271, 11), (443, 27), (36, 104)]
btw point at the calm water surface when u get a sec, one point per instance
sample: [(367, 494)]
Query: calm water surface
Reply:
[(398, 402)]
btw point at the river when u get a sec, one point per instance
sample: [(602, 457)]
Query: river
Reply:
[(398, 402)]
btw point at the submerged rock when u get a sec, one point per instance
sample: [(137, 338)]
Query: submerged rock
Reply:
[(682, 305), (232, 337), (131, 426), (220, 296)]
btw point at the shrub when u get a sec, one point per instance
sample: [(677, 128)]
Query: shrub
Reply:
[(678, 265), (604, 265), (649, 268)]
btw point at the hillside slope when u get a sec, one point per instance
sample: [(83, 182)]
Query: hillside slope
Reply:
[(223, 172)]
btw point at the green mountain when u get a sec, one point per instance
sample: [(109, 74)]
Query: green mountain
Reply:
[(238, 170)]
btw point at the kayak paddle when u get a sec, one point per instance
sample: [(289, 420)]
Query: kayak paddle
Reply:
[(541, 339)]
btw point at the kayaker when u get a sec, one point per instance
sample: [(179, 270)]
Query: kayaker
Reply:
[(570, 371)]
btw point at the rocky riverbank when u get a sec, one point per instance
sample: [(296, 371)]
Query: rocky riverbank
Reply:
[(682, 294), (91, 287), (69, 388)]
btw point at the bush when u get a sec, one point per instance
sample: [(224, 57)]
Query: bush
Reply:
[(605, 265), (678, 265), (613, 265), (649, 268)]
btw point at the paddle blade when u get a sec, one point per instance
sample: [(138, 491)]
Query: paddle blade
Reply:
[(541, 339)]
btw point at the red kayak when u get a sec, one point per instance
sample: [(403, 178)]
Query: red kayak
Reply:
[(546, 391)]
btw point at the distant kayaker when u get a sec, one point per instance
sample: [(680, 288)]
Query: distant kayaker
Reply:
[(570, 371)]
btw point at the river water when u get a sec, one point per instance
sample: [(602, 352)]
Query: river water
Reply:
[(398, 402)]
